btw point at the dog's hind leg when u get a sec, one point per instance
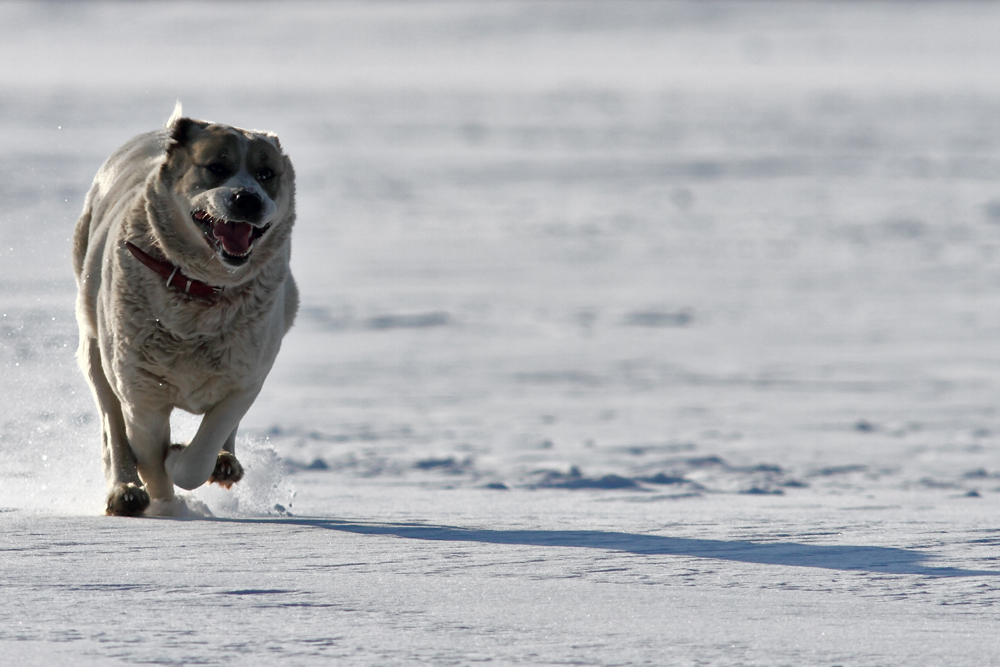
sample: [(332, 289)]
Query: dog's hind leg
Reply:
[(126, 497), (228, 469), (230, 444)]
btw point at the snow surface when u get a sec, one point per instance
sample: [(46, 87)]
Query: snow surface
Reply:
[(632, 333)]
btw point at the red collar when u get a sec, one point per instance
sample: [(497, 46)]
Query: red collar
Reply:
[(174, 277)]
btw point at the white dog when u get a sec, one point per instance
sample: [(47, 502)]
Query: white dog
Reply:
[(184, 294)]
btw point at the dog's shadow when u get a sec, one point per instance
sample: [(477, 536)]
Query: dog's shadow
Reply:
[(886, 560)]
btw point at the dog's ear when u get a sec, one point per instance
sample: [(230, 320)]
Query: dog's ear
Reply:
[(182, 130), (273, 138)]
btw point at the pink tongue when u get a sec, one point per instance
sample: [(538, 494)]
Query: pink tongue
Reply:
[(235, 236)]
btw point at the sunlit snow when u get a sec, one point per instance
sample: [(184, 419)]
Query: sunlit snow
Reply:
[(631, 333)]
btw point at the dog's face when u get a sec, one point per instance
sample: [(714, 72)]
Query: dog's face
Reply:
[(234, 187)]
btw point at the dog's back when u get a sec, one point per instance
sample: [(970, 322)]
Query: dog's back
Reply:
[(116, 185), (125, 170)]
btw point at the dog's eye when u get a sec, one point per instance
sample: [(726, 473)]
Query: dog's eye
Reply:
[(218, 169), (265, 174)]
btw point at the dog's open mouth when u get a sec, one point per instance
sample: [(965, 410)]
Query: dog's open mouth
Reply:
[(233, 241)]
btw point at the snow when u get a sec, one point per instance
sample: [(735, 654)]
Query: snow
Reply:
[(632, 333)]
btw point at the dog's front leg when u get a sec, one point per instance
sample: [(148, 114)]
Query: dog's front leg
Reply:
[(190, 467), (149, 435)]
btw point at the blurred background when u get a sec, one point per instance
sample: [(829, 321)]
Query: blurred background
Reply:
[(749, 246)]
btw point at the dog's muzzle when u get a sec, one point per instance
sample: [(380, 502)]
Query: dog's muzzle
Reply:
[(232, 240)]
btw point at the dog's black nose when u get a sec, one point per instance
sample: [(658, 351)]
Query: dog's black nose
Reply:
[(247, 206)]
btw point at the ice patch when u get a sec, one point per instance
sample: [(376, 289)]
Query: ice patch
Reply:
[(408, 321), (659, 319), (576, 480)]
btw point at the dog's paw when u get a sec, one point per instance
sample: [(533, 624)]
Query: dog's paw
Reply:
[(227, 471), (127, 500), (180, 506)]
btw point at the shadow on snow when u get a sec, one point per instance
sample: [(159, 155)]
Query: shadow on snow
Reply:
[(888, 560)]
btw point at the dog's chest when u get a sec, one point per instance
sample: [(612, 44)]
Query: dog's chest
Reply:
[(197, 370)]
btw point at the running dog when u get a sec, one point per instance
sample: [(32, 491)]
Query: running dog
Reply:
[(184, 293)]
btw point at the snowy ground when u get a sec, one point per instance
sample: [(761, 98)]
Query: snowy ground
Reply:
[(632, 333)]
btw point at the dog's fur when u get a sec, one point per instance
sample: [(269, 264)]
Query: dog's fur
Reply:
[(216, 202)]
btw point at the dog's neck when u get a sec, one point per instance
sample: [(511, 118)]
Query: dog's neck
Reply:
[(173, 275)]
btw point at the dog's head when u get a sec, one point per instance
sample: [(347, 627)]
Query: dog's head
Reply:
[(232, 188)]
